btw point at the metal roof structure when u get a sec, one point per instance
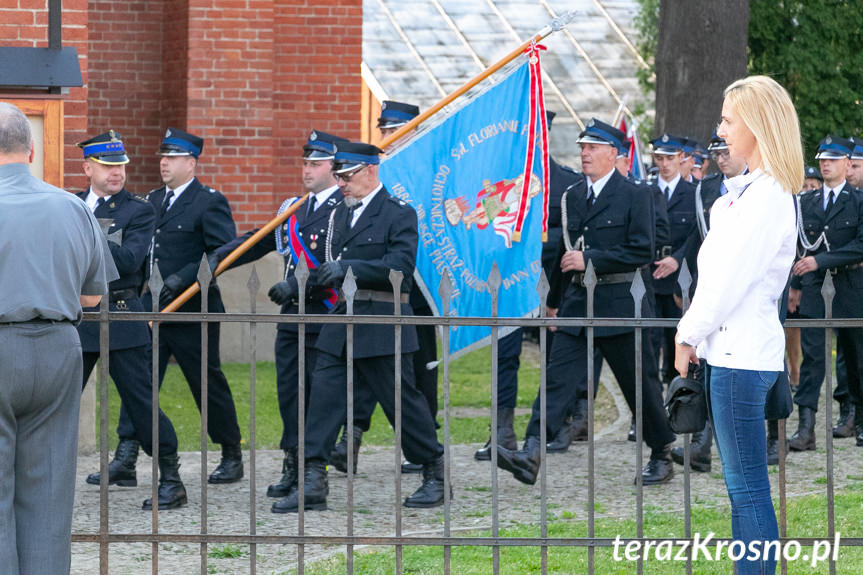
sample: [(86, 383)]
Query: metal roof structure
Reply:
[(420, 50)]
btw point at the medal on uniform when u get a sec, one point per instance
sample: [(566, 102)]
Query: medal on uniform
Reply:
[(314, 242)]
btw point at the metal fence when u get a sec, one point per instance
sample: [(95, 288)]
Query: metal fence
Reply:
[(446, 322)]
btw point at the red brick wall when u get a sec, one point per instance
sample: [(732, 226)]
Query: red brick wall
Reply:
[(317, 79), (25, 23), (252, 77), (126, 80)]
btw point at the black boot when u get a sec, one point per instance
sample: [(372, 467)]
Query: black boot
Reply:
[(524, 464), (631, 436), (316, 489), (578, 430), (339, 455), (845, 424), (505, 434), (172, 492), (431, 492), (561, 440), (804, 438), (288, 481), (230, 469), (660, 468), (699, 454), (773, 442), (858, 428), (411, 468), (121, 469)]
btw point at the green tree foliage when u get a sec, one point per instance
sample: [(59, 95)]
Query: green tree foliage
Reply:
[(815, 49), (647, 26)]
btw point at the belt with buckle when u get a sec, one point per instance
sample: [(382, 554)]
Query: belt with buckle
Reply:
[(663, 252), (119, 297), (848, 268), (619, 278), (374, 295)]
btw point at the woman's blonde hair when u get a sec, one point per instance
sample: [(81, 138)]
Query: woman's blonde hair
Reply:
[(766, 109)]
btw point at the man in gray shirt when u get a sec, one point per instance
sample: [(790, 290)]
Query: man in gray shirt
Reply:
[(54, 259)]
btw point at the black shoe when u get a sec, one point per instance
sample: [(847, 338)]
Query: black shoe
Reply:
[(339, 455), (411, 468), (172, 492), (858, 431), (315, 489), (660, 468), (845, 424), (631, 436), (288, 482), (699, 450), (804, 438), (524, 464), (561, 440), (431, 492), (121, 469), (230, 469), (773, 442), (505, 434)]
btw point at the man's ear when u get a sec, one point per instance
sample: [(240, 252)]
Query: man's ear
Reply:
[(32, 153)]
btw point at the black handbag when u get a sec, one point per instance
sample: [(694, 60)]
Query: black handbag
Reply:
[(686, 405), (778, 404)]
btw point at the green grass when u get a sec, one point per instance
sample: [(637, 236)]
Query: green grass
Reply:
[(806, 518), (470, 378)]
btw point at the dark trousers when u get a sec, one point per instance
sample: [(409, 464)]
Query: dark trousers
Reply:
[(183, 341), (287, 382), (851, 342), (508, 362), (663, 337), (812, 369), (328, 405), (131, 371), (567, 381), (426, 379)]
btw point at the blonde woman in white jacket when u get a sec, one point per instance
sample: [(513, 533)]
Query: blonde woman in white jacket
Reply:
[(733, 323)]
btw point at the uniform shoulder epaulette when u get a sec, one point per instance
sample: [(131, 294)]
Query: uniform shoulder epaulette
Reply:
[(396, 200), (568, 169), (139, 198), (807, 192), (712, 176), (209, 189), (151, 192)]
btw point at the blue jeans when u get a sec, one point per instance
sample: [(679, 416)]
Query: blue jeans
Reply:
[(737, 399)]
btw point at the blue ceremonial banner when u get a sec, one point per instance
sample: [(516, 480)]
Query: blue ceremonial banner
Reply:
[(465, 179)]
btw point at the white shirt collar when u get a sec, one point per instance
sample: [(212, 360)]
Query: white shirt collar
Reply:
[(600, 183), (672, 185), (364, 203), (323, 196), (836, 190), (178, 190), (91, 200), (737, 184)]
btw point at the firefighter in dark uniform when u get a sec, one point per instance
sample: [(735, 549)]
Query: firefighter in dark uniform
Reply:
[(303, 235), (607, 220), (680, 203), (193, 220), (831, 237), (509, 346), (393, 116), (372, 234), (132, 223)]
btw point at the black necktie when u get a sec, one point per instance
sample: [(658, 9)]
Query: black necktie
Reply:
[(591, 198), (166, 203), (99, 203), (667, 194), (310, 207), (831, 198)]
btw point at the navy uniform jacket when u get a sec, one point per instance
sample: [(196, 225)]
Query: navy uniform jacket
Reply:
[(198, 222), (313, 231), (681, 225), (710, 191), (385, 237), (560, 178), (618, 238), (135, 219), (843, 226)]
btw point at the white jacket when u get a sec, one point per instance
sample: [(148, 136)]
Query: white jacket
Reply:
[(743, 266)]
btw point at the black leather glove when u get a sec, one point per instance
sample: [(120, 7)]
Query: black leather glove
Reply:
[(282, 292), (331, 274), (213, 260), (171, 288)]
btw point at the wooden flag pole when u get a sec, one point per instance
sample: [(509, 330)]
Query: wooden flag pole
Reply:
[(556, 25)]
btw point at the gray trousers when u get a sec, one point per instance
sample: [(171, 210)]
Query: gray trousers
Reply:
[(40, 393)]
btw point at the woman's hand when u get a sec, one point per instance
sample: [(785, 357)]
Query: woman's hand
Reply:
[(683, 356)]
